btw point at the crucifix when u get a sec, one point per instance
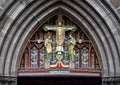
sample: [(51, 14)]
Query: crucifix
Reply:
[(60, 30)]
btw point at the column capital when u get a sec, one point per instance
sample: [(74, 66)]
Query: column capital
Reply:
[(7, 79)]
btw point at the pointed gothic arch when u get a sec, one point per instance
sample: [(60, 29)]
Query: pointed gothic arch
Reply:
[(84, 58), (21, 18)]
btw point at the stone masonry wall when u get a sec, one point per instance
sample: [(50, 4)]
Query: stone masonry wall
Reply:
[(116, 4)]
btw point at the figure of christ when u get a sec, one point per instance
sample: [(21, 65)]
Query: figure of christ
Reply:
[(60, 34)]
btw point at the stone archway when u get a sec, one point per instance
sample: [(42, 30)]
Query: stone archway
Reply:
[(22, 17), (40, 63)]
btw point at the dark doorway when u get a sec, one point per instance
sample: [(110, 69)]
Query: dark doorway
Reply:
[(59, 81)]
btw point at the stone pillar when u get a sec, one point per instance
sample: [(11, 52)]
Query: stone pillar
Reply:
[(8, 80), (111, 80)]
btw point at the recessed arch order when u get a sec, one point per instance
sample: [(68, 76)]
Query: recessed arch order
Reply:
[(22, 18)]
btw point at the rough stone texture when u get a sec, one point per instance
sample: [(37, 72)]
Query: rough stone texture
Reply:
[(97, 17), (4, 4), (119, 10), (116, 4)]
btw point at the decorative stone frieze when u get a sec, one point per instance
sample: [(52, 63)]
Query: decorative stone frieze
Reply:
[(111, 80)]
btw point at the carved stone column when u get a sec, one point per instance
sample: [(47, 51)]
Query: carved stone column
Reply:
[(111, 80), (7, 80)]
